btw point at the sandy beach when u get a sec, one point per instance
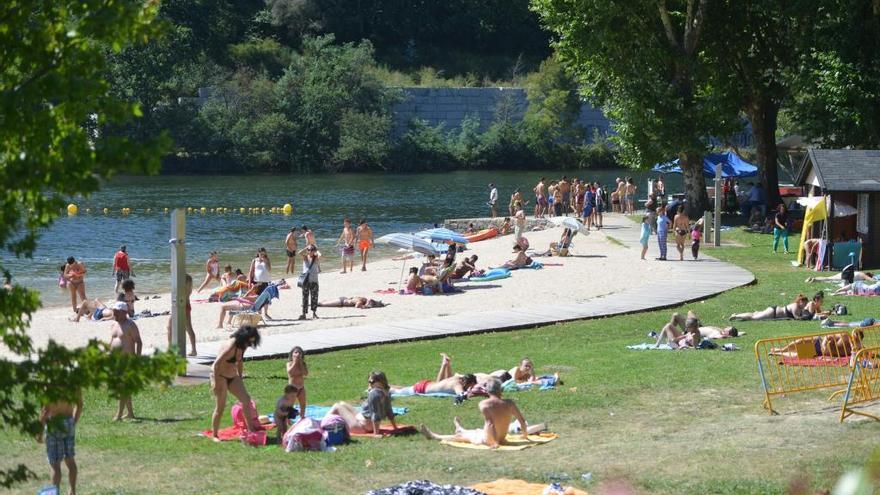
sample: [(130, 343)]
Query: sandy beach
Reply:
[(597, 267)]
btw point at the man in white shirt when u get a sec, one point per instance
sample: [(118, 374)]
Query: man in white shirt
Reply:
[(493, 199)]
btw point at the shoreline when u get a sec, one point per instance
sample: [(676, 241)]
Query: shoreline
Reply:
[(597, 267)]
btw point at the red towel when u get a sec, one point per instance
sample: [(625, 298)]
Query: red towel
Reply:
[(233, 432), (816, 361)]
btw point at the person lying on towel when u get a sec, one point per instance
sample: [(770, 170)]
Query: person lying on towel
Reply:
[(447, 382), (497, 415), (833, 346)]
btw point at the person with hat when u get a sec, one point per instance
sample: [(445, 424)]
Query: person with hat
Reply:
[(125, 338)]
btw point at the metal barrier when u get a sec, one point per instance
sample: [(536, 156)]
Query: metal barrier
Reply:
[(864, 383), (866, 337), (792, 364)]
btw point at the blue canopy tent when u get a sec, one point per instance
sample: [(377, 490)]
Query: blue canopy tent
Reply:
[(732, 165)]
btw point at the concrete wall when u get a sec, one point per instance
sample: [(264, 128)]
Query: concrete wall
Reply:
[(450, 106)]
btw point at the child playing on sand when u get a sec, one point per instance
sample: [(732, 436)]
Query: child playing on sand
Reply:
[(284, 410), (297, 371), (646, 233)]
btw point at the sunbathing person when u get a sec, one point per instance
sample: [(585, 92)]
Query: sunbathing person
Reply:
[(833, 345), (352, 302), (866, 322), (376, 408), (242, 303), (429, 267), (791, 311), (414, 281), (715, 333), (96, 310), (525, 373), (857, 277), (497, 414), (521, 260), (465, 267), (813, 309), (681, 332), (446, 382), (859, 289), (559, 248)]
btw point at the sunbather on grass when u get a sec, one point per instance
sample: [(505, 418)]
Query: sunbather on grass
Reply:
[(833, 345), (525, 373), (857, 277), (376, 408), (497, 415), (357, 302), (446, 383), (791, 311), (681, 332), (859, 289), (715, 333)]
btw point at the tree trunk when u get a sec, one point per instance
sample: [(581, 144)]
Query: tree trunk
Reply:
[(694, 183), (762, 115)]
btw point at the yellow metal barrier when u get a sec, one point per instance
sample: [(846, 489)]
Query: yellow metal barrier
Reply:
[(864, 383), (790, 364), (867, 336)]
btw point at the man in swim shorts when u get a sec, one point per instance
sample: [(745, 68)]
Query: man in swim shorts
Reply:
[(446, 382), (497, 414), (365, 241), (59, 421), (540, 199), (346, 246), (290, 247), (565, 188)]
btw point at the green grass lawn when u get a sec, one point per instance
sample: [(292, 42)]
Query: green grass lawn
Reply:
[(669, 422)]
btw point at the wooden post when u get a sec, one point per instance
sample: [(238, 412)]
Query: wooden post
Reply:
[(829, 251), (178, 279), (717, 223)]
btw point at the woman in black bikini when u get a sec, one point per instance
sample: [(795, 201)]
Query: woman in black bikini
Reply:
[(793, 311), (226, 376)]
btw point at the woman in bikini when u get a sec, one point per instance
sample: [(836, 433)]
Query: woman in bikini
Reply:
[(356, 302), (212, 271), (95, 310), (226, 376), (74, 273), (374, 410), (791, 311), (833, 345)]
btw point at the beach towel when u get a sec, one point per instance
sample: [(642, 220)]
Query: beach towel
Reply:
[(387, 431), (233, 432), (547, 382), (815, 361), (518, 487), (650, 347), (514, 442), (386, 291)]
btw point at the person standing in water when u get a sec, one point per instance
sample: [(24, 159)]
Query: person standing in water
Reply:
[(125, 338), (365, 241), (346, 245), (212, 271), (121, 269), (291, 247), (75, 273), (309, 236)]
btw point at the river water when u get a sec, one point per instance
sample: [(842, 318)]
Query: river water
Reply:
[(390, 203)]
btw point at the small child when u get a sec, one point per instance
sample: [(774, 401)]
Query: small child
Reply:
[(696, 235), (646, 233), (505, 226), (285, 413), (128, 295), (297, 371), (228, 277)]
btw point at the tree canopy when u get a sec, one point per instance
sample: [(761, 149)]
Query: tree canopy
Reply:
[(54, 101)]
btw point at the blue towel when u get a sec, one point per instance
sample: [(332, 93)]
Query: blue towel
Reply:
[(318, 412), (548, 382)]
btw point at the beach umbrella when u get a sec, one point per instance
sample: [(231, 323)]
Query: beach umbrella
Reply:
[(571, 223), (410, 243), (442, 235)]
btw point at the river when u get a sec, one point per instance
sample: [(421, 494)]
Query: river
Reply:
[(390, 203)]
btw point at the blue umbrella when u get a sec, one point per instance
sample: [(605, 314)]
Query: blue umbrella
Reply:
[(408, 241), (732, 165), (442, 235)]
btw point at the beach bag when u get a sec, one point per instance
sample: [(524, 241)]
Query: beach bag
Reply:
[(304, 276), (335, 428), (255, 438), (238, 418), (840, 309), (306, 434)]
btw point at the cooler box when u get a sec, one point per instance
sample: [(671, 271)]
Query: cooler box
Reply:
[(335, 435)]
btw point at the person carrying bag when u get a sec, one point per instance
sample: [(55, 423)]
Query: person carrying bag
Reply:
[(308, 280)]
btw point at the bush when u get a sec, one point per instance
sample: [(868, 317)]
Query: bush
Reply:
[(363, 141), (422, 148)]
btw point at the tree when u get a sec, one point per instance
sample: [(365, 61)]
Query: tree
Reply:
[(550, 121), (640, 60), (52, 85), (836, 83)]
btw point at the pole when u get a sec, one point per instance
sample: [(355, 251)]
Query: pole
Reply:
[(178, 280), (717, 222)]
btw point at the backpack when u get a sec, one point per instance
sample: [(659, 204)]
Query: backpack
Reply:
[(840, 310), (336, 429), (306, 434)]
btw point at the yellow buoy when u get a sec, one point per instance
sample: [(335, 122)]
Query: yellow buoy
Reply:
[(106, 210), (241, 210), (203, 210), (125, 211), (189, 209), (165, 210), (287, 209), (148, 210), (88, 210), (72, 209)]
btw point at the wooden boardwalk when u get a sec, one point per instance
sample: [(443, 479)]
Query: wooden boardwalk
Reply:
[(705, 278)]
